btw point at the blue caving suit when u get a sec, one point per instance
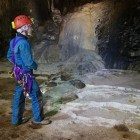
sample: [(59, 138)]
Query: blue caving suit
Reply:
[(23, 58)]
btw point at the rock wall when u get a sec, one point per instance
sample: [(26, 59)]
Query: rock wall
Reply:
[(8, 10), (78, 30), (92, 37), (109, 28), (118, 37)]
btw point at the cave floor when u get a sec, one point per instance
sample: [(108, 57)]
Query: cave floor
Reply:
[(108, 108)]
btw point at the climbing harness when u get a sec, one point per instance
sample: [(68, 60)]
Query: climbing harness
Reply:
[(25, 79)]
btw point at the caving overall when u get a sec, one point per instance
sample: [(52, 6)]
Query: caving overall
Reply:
[(20, 55)]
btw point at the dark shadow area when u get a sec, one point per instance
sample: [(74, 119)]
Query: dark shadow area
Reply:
[(66, 6), (119, 48)]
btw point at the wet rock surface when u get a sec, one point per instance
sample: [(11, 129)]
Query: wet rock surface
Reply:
[(81, 63), (68, 97), (78, 84), (65, 77), (118, 43), (101, 105), (96, 105), (92, 28), (60, 91), (45, 47)]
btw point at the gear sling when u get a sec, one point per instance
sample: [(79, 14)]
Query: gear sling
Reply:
[(25, 79)]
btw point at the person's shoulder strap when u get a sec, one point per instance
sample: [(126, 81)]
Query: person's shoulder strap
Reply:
[(14, 42)]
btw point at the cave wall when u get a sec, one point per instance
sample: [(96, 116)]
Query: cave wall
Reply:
[(8, 10), (66, 6), (118, 43), (112, 31), (41, 10), (115, 37), (83, 29)]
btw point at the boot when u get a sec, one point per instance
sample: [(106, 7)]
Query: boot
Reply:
[(43, 122)]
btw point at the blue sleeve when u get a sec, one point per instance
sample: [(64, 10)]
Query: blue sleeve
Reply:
[(9, 54), (26, 56)]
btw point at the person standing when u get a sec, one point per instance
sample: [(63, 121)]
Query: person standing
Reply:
[(20, 55)]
